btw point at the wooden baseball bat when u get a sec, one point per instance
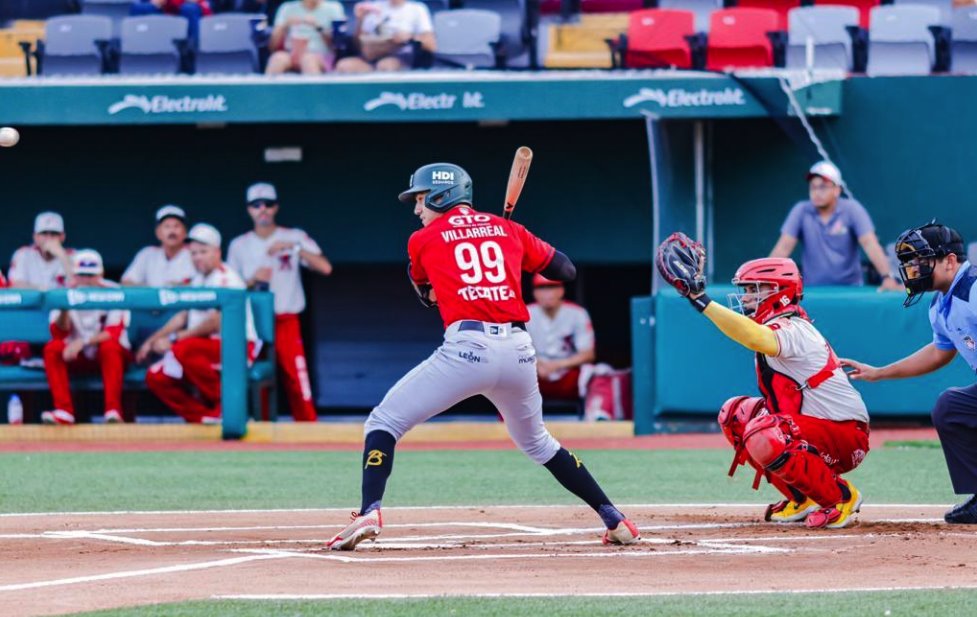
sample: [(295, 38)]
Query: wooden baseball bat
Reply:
[(517, 179)]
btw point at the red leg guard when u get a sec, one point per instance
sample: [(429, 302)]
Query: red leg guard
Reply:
[(770, 441)]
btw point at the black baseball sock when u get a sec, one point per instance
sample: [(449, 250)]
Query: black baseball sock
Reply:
[(378, 462), (570, 472)]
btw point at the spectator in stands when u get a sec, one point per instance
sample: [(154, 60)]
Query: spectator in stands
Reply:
[(190, 341), (86, 341), (563, 337), (303, 37), (193, 10), (269, 257), (168, 264), (384, 33), (832, 228), (46, 264)]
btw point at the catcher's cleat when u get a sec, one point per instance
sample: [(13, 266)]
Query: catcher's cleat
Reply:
[(626, 532), (838, 516), (366, 527), (789, 511)]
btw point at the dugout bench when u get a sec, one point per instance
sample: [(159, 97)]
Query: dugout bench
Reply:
[(24, 316)]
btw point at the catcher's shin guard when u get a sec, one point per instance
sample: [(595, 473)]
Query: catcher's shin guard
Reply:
[(771, 441), (734, 415)]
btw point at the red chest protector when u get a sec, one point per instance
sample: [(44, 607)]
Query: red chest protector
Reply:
[(781, 392)]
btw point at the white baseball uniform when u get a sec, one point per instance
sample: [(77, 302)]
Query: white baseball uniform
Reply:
[(29, 266), (225, 277), (86, 324), (152, 268), (565, 334), (249, 252), (803, 353)]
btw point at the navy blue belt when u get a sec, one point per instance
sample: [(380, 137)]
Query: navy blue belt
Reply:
[(480, 326)]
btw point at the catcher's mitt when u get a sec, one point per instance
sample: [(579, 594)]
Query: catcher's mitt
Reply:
[(681, 261)]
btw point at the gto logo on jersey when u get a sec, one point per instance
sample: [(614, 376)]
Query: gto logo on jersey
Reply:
[(460, 220)]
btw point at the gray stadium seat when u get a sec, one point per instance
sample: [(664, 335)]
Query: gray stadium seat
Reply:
[(900, 42), (466, 37), (944, 6), (71, 44), (513, 13), (972, 253), (825, 26), (702, 9), (116, 10), (963, 48), (226, 44), (151, 44)]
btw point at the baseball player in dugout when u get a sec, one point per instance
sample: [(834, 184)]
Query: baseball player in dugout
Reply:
[(563, 336), (166, 265), (190, 341), (811, 425), (932, 258), (46, 264), (269, 257), (469, 265), (88, 341)]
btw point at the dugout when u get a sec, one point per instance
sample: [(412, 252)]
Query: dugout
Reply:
[(107, 152)]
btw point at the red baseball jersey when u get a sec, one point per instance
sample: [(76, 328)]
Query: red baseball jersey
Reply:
[(474, 262)]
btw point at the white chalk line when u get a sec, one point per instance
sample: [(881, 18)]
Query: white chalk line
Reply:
[(625, 594), (429, 507), (221, 563)]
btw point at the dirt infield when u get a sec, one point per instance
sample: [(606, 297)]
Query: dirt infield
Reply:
[(58, 563)]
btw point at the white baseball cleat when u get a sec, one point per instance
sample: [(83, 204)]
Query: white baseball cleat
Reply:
[(366, 527), (113, 416), (57, 416), (626, 532)]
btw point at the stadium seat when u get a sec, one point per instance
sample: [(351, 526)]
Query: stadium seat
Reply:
[(963, 49), (75, 45), (945, 7), (703, 10), (467, 38), (116, 10), (864, 8), (13, 40), (782, 7), (738, 38), (226, 44), (152, 44), (900, 41), (826, 27), (584, 44), (657, 38), (517, 35)]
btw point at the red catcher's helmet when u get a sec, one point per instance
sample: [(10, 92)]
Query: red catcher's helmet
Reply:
[(783, 293)]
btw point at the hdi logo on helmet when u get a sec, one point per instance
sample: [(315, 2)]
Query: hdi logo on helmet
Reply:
[(443, 177)]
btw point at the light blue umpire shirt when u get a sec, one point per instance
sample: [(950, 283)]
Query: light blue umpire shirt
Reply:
[(953, 316)]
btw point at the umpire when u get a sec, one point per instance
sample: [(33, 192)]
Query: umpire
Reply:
[(932, 258)]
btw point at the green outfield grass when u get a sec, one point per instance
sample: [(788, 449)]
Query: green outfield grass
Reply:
[(881, 604), (52, 482)]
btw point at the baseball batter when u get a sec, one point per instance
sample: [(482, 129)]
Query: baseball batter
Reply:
[(469, 265), (811, 425), (270, 256)]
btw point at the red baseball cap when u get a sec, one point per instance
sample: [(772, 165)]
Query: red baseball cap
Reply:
[(541, 281)]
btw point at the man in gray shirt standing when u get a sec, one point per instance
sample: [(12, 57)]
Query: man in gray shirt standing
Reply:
[(832, 228)]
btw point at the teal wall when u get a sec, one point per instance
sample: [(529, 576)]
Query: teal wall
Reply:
[(109, 181), (905, 147)]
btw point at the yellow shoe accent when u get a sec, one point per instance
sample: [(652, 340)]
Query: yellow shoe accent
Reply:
[(789, 511)]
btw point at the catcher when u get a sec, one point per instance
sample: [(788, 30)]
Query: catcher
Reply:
[(811, 425)]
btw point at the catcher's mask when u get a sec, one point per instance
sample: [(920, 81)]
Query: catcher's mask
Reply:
[(771, 287), (918, 250), (447, 185)]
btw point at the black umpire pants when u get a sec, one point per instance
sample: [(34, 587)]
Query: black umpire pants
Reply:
[(955, 419)]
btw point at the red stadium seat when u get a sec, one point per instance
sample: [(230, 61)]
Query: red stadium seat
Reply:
[(738, 38), (864, 8), (781, 6), (656, 38)]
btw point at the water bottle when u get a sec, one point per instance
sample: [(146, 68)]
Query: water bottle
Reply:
[(15, 410)]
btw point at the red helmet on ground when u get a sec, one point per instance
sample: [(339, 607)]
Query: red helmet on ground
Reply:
[(772, 287)]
